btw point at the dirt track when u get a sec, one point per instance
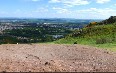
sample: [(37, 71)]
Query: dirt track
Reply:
[(50, 57)]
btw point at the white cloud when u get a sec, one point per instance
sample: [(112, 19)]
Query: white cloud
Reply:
[(41, 10), (61, 10), (54, 1), (71, 2), (106, 11), (3, 12), (91, 13), (97, 12), (102, 1)]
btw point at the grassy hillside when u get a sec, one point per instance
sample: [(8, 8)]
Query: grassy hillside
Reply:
[(103, 36)]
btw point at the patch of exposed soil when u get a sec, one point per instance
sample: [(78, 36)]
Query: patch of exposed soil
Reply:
[(55, 58)]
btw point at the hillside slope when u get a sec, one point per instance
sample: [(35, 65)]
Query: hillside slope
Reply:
[(55, 57), (96, 35), (111, 20)]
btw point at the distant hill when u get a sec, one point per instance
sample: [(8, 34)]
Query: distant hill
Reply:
[(111, 20)]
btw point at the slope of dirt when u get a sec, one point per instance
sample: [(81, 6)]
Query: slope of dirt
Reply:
[(55, 58)]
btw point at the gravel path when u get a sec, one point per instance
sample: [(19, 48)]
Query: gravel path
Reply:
[(55, 58)]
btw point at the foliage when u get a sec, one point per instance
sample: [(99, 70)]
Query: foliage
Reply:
[(92, 24), (96, 36), (33, 34)]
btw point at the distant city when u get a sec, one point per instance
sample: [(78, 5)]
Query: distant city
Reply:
[(7, 23), (14, 30)]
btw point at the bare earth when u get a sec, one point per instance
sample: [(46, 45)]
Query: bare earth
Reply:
[(55, 58)]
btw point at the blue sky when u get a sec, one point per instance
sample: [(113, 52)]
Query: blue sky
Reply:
[(80, 9)]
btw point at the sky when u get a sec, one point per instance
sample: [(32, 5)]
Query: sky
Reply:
[(79, 9)]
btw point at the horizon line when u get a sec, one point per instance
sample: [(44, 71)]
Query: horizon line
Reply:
[(47, 18)]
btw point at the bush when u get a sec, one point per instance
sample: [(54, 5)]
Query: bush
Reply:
[(101, 41), (105, 40)]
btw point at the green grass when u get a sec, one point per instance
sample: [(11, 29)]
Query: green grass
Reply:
[(84, 41), (101, 36)]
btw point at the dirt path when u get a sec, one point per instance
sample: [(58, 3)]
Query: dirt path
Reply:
[(54, 57)]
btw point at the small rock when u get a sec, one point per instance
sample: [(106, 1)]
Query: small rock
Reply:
[(106, 52), (75, 42), (47, 63), (29, 71), (4, 71)]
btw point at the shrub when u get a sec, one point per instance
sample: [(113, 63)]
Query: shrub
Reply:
[(101, 41)]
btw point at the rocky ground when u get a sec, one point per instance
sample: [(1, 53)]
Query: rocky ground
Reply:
[(55, 58)]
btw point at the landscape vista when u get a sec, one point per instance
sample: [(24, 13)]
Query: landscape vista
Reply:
[(57, 36)]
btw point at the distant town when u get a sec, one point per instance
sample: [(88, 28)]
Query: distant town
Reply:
[(38, 30)]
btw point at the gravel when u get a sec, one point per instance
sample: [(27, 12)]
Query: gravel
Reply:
[(55, 58)]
